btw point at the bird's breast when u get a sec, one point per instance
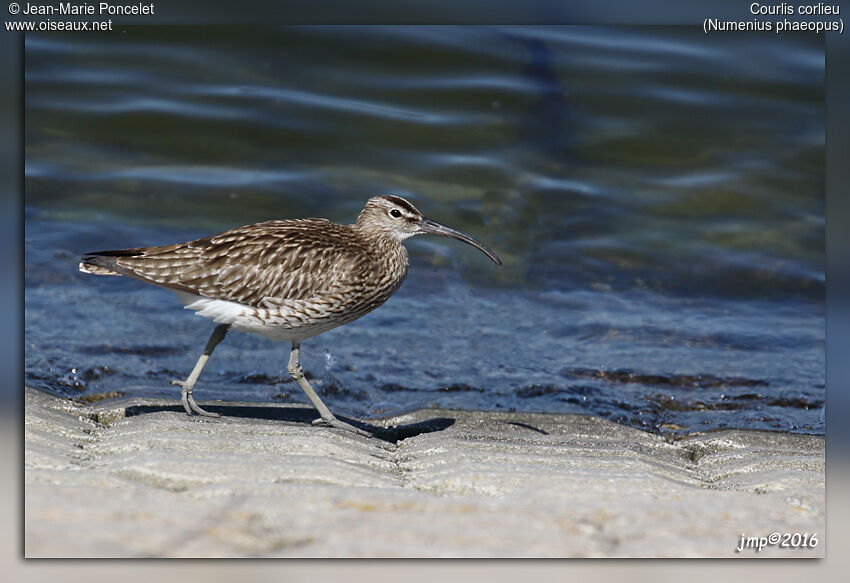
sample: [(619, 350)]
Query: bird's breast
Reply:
[(390, 271)]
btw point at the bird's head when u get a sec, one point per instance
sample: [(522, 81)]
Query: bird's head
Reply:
[(393, 216)]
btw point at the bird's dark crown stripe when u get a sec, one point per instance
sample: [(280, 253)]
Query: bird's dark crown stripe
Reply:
[(402, 203)]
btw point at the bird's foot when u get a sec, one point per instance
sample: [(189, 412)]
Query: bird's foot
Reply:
[(189, 403), (334, 422)]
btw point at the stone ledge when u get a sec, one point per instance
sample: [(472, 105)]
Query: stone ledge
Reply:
[(138, 477)]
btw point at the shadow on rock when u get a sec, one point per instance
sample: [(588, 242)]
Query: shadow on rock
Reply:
[(392, 434)]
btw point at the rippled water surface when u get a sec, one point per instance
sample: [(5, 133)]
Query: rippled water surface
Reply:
[(657, 197)]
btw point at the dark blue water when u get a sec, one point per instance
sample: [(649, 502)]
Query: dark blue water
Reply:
[(657, 196)]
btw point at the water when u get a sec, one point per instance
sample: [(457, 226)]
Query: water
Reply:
[(657, 196)]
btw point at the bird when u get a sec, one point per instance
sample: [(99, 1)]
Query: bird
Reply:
[(287, 280)]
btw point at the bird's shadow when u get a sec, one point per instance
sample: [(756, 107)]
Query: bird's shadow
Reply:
[(392, 434)]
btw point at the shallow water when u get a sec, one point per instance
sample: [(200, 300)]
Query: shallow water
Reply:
[(657, 197)]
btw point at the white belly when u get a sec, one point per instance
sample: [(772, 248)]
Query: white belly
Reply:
[(273, 324)]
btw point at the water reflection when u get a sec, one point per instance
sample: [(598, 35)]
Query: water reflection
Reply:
[(656, 195)]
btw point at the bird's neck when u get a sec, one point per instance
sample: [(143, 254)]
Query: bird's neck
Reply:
[(389, 251), (390, 248)]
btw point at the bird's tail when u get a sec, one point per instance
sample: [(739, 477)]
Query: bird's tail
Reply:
[(93, 265), (105, 262)]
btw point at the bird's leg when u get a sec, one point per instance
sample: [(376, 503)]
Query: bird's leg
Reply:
[(327, 418), (186, 394)]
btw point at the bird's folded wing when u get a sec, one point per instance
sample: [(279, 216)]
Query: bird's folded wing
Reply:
[(285, 260)]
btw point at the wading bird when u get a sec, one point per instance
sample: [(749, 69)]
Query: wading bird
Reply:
[(288, 280)]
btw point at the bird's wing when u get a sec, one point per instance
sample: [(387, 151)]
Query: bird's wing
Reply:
[(286, 260)]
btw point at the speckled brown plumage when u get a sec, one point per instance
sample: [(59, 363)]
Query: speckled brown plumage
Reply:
[(293, 259), (308, 273), (285, 279)]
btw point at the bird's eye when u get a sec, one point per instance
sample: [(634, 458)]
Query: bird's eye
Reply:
[(395, 213)]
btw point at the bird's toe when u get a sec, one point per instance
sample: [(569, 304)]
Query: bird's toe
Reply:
[(334, 422)]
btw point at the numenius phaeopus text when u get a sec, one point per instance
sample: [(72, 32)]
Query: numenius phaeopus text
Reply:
[(288, 280)]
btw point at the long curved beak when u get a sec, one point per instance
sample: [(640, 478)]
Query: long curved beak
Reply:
[(429, 226)]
